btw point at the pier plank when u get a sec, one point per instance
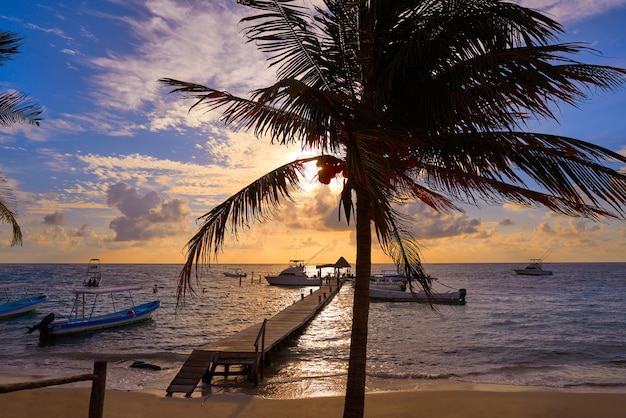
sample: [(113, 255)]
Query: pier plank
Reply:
[(239, 350)]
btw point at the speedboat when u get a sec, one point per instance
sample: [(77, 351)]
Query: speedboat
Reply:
[(93, 276), (534, 269), (389, 281), (88, 316), (236, 273), (294, 275), (384, 293), (15, 304)]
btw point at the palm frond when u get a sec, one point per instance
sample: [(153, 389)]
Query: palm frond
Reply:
[(478, 166), (283, 30), (7, 199), (16, 107), (255, 202), (9, 45), (288, 111), (405, 252), (493, 59)]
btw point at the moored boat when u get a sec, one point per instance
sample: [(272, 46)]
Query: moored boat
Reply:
[(388, 280), (14, 302), (236, 273), (93, 276), (384, 293), (84, 318), (294, 275), (535, 268)]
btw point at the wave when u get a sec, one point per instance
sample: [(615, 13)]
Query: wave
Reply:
[(412, 375), (120, 357), (600, 385)]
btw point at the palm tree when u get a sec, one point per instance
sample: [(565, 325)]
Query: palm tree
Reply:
[(15, 107), (410, 100)]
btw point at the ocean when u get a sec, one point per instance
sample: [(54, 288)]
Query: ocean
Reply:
[(565, 331)]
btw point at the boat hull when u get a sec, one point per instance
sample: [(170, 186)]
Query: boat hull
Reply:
[(445, 298), (21, 306), (535, 268), (120, 318), (227, 274), (531, 272), (293, 281)]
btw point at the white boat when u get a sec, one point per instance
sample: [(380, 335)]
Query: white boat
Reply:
[(535, 268), (88, 316), (294, 275), (15, 300), (384, 293), (236, 273), (93, 276), (388, 280)]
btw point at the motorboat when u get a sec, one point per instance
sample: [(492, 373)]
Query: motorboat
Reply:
[(15, 300), (384, 293), (294, 275), (237, 273), (535, 268), (392, 280), (88, 316), (388, 280), (93, 277)]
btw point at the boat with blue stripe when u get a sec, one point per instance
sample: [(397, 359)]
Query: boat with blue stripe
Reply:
[(13, 303), (87, 316)]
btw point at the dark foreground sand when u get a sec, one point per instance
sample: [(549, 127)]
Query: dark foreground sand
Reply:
[(62, 402)]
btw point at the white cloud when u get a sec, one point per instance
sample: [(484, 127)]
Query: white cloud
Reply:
[(195, 41), (568, 11)]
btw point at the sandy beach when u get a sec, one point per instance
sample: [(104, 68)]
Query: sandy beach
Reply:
[(485, 402)]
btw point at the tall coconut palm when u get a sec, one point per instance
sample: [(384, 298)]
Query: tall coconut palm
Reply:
[(15, 107), (410, 100)]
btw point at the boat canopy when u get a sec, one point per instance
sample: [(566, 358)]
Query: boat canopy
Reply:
[(99, 291), (11, 285)]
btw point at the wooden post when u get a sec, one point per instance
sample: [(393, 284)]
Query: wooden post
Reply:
[(98, 387)]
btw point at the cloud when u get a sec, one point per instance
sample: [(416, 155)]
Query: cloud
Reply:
[(56, 218), (507, 222), (565, 11), (83, 232), (145, 216), (173, 41), (426, 223)]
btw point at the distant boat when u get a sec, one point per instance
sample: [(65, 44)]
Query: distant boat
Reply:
[(83, 318), (15, 302), (384, 293), (93, 278), (236, 273), (535, 268), (294, 275)]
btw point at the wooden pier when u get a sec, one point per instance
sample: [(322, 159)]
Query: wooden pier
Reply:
[(247, 352)]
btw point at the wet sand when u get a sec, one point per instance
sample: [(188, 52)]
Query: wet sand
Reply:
[(433, 402)]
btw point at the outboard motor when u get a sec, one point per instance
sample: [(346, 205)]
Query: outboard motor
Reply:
[(462, 294), (43, 325)]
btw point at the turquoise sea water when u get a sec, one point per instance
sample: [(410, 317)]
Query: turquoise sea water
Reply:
[(564, 331)]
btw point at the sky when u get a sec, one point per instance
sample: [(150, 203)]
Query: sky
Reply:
[(120, 170)]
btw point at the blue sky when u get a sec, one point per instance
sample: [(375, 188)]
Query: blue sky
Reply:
[(120, 170)]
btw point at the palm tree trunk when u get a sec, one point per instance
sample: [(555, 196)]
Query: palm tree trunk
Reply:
[(355, 387)]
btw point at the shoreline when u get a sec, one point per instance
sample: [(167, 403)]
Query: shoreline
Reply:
[(439, 400)]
